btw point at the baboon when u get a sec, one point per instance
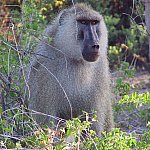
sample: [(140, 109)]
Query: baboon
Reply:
[(70, 73)]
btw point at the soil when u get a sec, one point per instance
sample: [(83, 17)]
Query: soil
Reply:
[(129, 118)]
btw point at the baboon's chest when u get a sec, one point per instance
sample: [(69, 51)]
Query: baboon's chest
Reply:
[(76, 81)]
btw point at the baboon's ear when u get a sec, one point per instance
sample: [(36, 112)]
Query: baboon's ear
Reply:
[(62, 16)]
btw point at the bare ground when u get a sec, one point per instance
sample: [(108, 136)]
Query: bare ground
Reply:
[(129, 118)]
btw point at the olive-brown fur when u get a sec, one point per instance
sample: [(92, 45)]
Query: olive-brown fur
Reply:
[(61, 81)]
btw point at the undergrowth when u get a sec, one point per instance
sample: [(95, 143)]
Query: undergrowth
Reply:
[(18, 129)]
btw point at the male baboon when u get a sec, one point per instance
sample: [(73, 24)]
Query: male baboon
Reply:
[(71, 74)]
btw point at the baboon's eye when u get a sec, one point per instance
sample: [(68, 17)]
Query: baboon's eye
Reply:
[(82, 21), (94, 22)]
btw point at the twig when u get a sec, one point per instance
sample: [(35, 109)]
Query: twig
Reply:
[(135, 23), (59, 85), (4, 79), (8, 136)]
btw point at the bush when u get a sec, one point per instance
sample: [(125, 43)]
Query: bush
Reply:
[(17, 127)]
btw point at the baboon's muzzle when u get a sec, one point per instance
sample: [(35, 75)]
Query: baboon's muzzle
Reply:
[(91, 53), (91, 47)]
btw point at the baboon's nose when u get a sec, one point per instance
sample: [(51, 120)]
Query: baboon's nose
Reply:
[(96, 46)]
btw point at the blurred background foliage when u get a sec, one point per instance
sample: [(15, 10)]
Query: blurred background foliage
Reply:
[(124, 19), (21, 23)]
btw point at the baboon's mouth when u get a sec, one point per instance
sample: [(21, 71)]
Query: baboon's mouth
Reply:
[(91, 57)]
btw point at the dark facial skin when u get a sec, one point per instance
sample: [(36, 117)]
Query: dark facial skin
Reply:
[(89, 34)]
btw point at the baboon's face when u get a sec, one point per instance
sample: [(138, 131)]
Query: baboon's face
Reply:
[(82, 35), (89, 35)]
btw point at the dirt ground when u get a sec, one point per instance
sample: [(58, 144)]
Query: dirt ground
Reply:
[(129, 118)]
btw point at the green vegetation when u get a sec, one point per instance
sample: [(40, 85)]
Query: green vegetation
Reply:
[(17, 127)]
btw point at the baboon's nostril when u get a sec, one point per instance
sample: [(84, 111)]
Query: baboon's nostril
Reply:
[(95, 46)]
